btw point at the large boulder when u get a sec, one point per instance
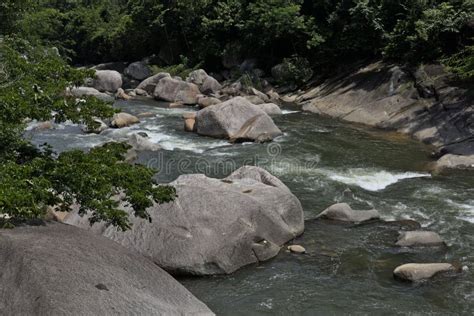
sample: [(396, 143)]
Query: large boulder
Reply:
[(149, 84), (91, 92), (343, 212), (107, 80), (236, 119), (197, 76), (210, 85), (138, 71), (57, 269), (421, 271), (214, 226), (175, 90), (206, 83)]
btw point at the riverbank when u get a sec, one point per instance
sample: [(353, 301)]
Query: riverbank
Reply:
[(425, 103)]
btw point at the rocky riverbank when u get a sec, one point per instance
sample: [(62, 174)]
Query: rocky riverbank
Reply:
[(425, 102)]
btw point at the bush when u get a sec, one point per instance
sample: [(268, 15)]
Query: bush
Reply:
[(296, 70)]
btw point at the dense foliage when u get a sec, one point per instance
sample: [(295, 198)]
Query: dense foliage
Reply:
[(32, 84), (323, 31), (177, 35)]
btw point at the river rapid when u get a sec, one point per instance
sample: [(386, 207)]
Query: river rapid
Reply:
[(347, 268)]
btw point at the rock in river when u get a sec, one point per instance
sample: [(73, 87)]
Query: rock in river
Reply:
[(107, 80), (421, 271), (123, 120), (419, 239), (149, 84), (214, 226), (57, 269), (343, 212), (236, 119), (91, 92), (175, 90)]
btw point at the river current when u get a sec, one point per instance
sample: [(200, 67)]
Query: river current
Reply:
[(347, 268)]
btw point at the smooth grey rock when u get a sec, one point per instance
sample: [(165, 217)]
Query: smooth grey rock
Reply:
[(296, 249), (174, 90), (343, 212), (140, 143), (197, 77), (107, 80), (149, 84), (210, 85), (122, 119), (214, 226), (421, 271), (419, 239), (138, 71), (236, 119), (270, 108), (204, 102), (450, 161), (91, 92), (57, 269)]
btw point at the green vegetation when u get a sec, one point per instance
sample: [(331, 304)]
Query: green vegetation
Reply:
[(32, 83), (40, 37), (325, 32)]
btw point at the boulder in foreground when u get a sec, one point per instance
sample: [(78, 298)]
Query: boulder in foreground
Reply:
[(214, 226), (343, 212), (236, 119), (58, 269), (421, 271)]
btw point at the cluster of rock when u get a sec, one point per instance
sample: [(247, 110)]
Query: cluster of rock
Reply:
[(232, 111), (407, 272)]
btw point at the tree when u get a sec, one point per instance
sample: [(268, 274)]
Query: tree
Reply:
[(31, 179)]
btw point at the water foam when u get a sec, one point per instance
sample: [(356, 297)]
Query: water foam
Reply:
[(373, 180)]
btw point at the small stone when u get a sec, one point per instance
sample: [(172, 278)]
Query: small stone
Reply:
[(123, 120), (296, 249), (189, 125), (421, 271), (419, 239)]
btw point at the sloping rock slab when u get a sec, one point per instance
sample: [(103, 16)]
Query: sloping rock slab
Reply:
[(58, 269), (214, 226)]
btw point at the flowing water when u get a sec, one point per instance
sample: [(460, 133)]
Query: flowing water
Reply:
[(348, 269)]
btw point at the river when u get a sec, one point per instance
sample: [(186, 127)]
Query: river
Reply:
[(347, 268)]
